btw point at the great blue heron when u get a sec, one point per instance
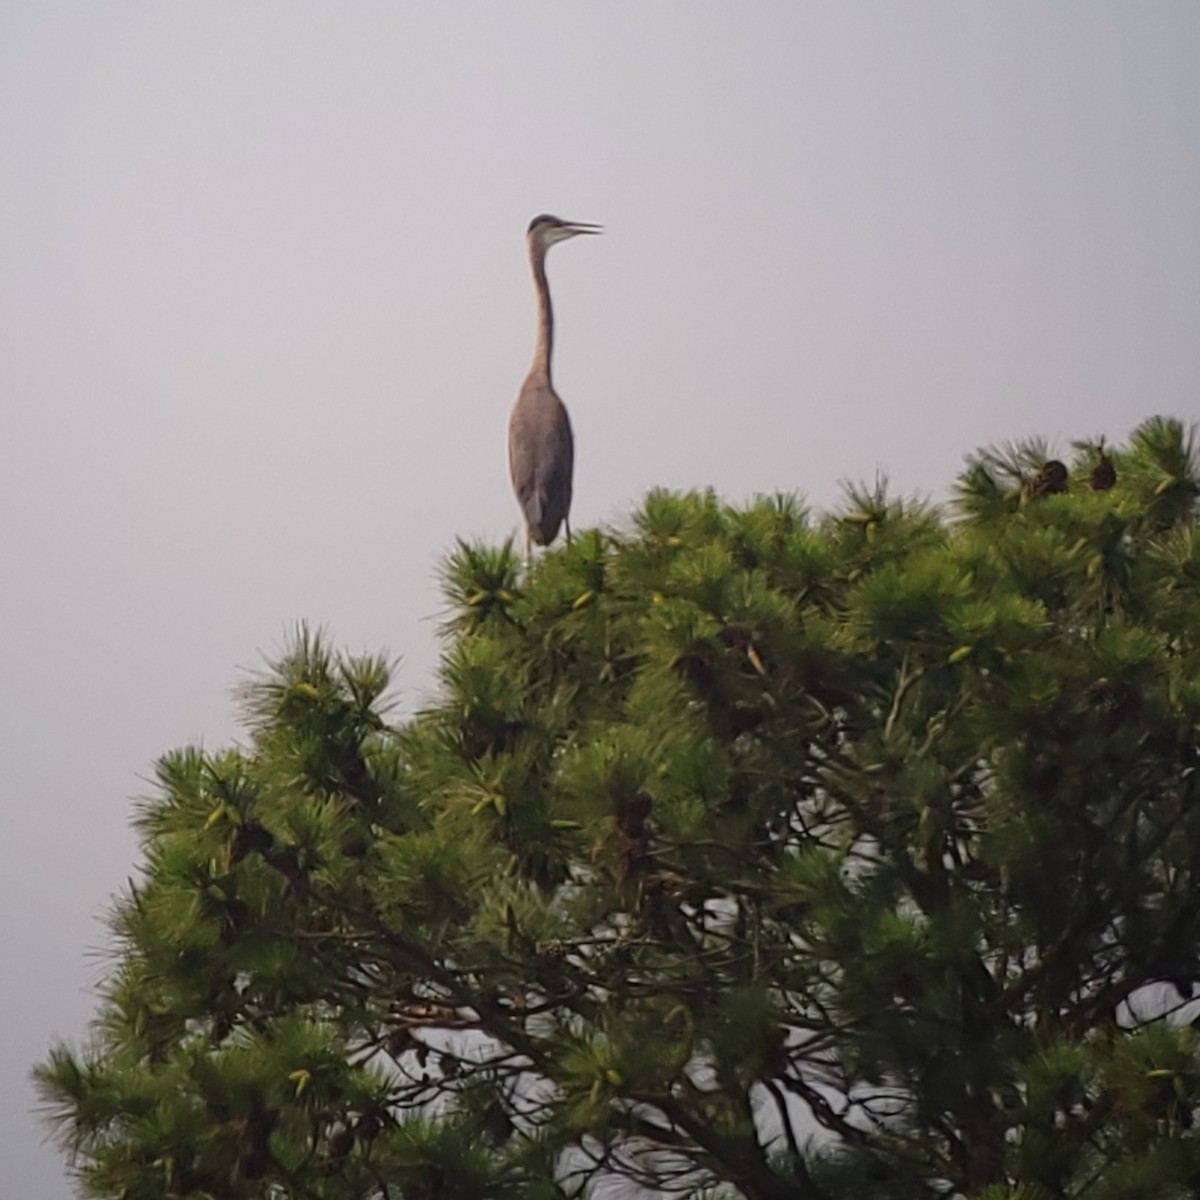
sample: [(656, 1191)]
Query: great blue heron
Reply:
[(541, 451)]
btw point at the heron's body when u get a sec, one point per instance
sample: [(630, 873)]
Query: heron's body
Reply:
[(541, 450), (541, 458)]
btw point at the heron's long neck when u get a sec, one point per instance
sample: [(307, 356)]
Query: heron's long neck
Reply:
[(545, 330)]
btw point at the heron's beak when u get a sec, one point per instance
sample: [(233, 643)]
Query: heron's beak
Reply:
[(583, 227)]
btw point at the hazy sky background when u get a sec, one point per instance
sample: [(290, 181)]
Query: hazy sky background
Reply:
[(264, 307)]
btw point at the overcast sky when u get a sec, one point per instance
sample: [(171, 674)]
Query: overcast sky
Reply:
[(264, 307)]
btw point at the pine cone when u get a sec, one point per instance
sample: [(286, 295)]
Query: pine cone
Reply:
[(1049, 481), (743, 718), (1104, 475), (698, 666), (340, 1144), (632, 813), (1118, 700), (480, 737), (250, 838), (735, 636)]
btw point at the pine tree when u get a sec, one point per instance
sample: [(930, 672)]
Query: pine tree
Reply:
[(744, 854)]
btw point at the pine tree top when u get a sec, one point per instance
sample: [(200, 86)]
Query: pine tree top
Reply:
[(742, 849)]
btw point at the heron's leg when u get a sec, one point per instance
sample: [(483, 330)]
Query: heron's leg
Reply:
[(528, 550), (567, 523)]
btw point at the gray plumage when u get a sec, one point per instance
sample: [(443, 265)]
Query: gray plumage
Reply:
[(541, 450)]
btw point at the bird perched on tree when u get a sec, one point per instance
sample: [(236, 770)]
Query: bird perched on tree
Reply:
[(541, 451)]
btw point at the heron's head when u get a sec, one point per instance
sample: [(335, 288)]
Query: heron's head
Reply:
[(545, 230)]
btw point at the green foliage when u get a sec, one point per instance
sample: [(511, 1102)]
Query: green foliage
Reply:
[(742, 853)]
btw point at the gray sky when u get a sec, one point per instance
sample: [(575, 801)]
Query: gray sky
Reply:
[(264, 308)]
